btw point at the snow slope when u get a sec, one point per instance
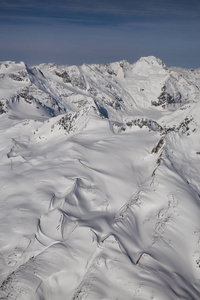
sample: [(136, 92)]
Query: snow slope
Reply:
[(99, 181)]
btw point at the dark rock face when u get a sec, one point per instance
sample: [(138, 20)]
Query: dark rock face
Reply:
[(20, 76), (165, 98), (77, 80), (25, 95), (65, 76), (67, 121), (2, 108)]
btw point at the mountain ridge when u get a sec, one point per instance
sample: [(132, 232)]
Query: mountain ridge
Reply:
[(100, 194)]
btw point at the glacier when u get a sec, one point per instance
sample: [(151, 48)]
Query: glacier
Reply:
[(99, 181)]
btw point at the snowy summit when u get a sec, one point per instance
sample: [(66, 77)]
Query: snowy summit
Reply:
[(99, 181)]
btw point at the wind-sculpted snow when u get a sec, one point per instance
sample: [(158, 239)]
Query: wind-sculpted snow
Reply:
[(99, 180)]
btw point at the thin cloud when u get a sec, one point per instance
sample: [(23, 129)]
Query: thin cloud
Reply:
[(41, 20), (138, 7)]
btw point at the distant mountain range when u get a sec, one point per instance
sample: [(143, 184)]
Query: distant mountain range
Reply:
[(99, 181)]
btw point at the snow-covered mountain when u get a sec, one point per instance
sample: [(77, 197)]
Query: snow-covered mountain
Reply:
[(99, 181)]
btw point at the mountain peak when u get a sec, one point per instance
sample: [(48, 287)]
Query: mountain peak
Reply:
[(148, 65), (152, 60), (11, 66)]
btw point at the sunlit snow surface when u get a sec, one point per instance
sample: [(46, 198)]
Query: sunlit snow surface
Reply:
[(99, 182)]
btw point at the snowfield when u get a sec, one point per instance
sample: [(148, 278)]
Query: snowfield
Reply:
[(99, 181)]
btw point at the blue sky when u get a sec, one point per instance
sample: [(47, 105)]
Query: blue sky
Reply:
[(96, 31)]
